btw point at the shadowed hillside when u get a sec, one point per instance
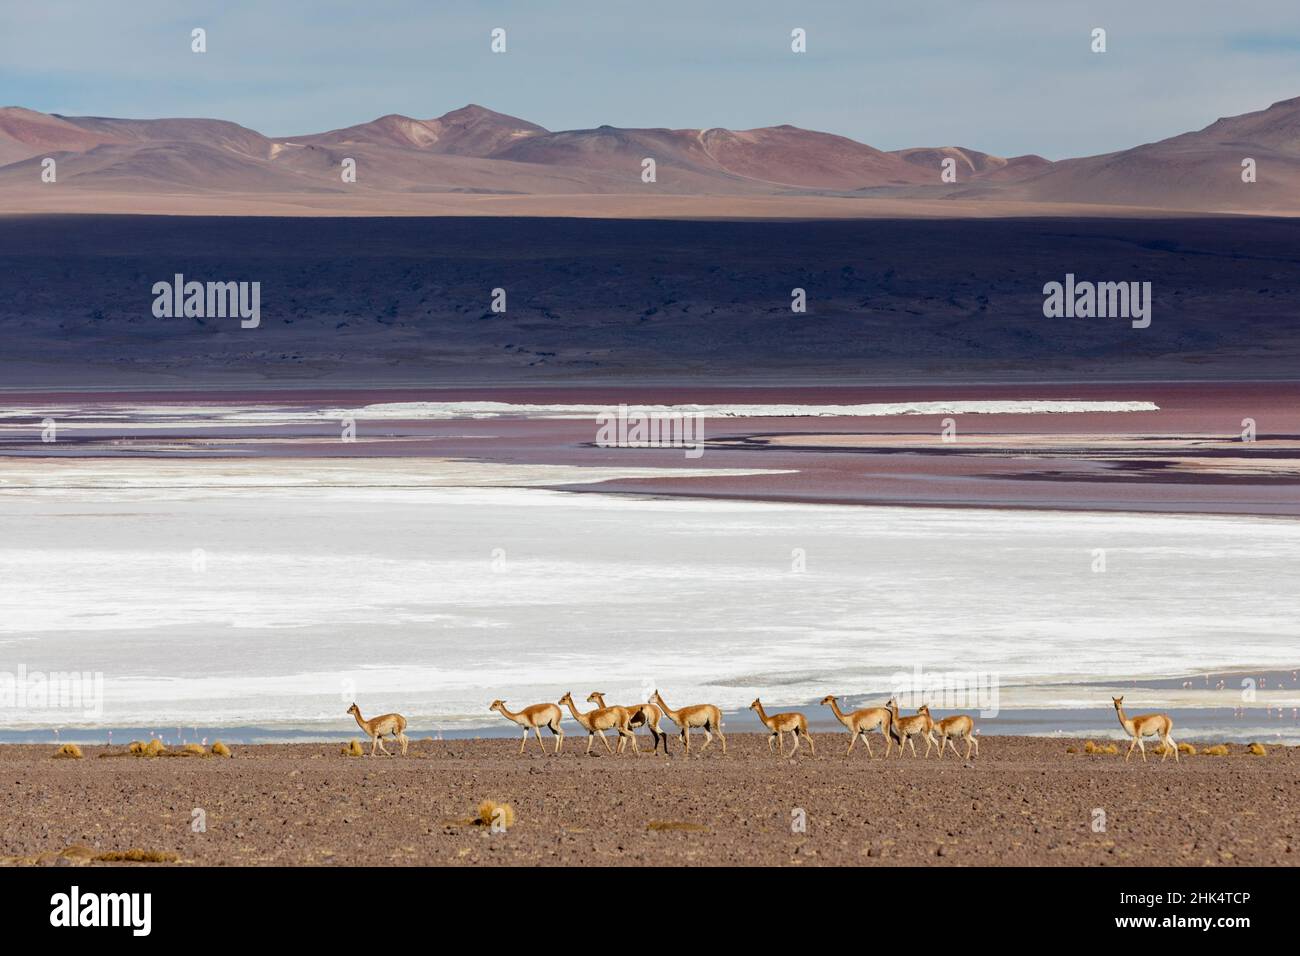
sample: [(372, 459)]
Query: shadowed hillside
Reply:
[(408, 300)]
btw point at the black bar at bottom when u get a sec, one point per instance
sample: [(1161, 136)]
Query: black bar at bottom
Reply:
[(331, 905)]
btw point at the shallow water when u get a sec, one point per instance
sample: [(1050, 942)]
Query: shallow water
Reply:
[(249, 596)]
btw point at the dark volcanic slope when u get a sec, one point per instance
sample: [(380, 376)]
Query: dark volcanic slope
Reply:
[(379, 301)]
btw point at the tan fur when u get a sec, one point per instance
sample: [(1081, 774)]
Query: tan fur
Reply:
[(791, 722), (642, 715), (534, 718), (1147, 725), (861, 721), (919, 724), (961, 727), (596, 722), (696, 715), (378, 727)]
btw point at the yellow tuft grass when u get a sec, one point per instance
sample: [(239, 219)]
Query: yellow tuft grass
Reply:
[(1187, 749), (154, 747), (1218, 750), (136, 748), (68, 752), (1071, 750), (493, 814), (353, 749), (674, 825), (137, 856), (1094, 748), (193, 750), (1256, 749), (221, 750)]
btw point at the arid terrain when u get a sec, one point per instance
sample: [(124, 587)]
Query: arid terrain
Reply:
[(1023, 801), (476, 161)]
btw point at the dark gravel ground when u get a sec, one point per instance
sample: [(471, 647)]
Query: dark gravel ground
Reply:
[(1023, 801)]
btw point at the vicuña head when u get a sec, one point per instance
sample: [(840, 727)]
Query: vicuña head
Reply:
[(567, 698), (354, 710), (596, 697), (1117, 701), (497, 704), (827, 700), (756, 704)]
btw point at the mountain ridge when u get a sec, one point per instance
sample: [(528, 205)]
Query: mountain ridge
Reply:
[(477, 151)]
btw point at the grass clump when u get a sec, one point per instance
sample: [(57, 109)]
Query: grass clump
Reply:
[(68, 752), (353, 749), (221, 750), (1099, 749), (1218, 750), (1257, 749), (193, 750), (137, 856), (154, 748), (658, 825), (498, 816), (1187, 749)]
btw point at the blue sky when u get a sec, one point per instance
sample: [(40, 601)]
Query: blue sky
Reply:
[(1005, 76)]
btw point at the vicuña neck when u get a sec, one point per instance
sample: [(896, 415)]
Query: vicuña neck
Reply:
[(573, 709)]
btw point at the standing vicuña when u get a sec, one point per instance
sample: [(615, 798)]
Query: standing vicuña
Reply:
[(961, 727), (598, 721), (861, 721), (642, 715), (377, 727), (696, 715), (1147, 725), (919, 723), (534, 718), (791, 722)]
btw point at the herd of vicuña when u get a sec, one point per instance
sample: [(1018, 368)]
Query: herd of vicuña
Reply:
[(899, 730)]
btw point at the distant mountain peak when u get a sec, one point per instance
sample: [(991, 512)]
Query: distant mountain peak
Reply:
[(475, 149)]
